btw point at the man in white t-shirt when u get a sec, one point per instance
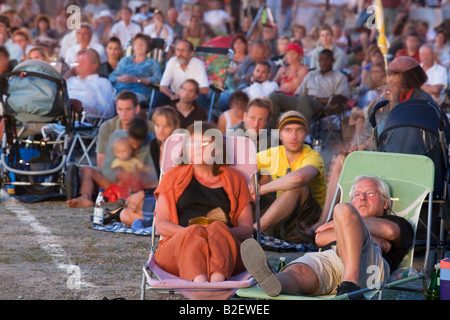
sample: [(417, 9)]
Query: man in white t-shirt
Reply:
[(125, 29), (95, 93), (437, 74), (181, 67), (261, 86)]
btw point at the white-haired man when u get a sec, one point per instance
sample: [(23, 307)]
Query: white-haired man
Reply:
[(365, 235)]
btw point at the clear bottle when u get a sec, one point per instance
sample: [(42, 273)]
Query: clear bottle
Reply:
[(99, 208)]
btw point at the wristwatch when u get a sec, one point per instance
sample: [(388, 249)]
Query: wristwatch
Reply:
[(138, 80)]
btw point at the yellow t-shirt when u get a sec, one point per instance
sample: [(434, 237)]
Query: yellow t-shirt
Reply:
[(274, 162)]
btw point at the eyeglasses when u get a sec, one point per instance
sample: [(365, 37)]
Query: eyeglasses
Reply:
[(369, 194)]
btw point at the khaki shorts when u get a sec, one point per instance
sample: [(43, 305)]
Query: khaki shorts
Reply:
[(329, 267)]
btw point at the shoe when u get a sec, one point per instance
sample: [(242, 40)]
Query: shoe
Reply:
[(255, 262), (347, 287), (112, 215)]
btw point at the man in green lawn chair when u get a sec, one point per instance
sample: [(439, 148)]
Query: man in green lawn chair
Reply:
[(368, 243)]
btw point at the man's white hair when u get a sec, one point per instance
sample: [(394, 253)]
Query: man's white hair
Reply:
[(383, 187)]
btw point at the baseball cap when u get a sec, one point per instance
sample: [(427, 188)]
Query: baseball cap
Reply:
[(295, 47)]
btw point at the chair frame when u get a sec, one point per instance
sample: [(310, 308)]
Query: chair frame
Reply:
[(377, 167), (190, 289)]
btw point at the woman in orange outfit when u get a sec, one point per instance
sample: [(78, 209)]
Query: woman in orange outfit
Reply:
[(197, 251)]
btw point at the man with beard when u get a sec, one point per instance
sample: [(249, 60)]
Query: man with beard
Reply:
[(365, 238), (181, 67), (296, 174)]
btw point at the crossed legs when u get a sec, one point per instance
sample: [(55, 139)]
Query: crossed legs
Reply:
[(303, 277)]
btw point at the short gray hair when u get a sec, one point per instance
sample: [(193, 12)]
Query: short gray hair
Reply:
[(383, 187)]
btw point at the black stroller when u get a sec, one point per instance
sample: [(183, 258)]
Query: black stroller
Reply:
[(38, 129), (419, 127)]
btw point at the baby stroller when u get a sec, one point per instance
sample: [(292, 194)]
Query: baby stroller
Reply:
[(419, 127), (38, 128)]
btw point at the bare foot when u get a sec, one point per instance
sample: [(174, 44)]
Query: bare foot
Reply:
[(80, 202), (217, 277), (200, 278)]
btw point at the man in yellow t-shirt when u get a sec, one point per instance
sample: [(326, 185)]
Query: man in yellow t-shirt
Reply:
[(297, 174)]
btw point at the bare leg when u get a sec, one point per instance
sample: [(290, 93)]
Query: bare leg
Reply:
[(350, 235), (298, 278), (89, 177), (282, 207), (128, 215), (333, 177)]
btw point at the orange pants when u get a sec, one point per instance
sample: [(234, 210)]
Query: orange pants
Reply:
[(200, 250)]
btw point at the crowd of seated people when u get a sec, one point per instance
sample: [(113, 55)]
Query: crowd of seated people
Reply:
[(280, 77)]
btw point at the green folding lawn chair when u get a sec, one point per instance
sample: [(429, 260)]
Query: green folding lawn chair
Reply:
[(411, 180)]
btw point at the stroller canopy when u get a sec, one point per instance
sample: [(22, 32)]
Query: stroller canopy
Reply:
[(36, 92), (413, 127)]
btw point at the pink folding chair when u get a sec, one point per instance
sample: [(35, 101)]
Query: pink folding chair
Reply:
[(241, 155)]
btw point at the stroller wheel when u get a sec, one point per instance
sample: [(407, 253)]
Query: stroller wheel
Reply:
[(39, 163), (72, 181)]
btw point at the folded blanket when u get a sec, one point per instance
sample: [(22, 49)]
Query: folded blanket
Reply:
[(121, 228), (141, 227), (270, 243)]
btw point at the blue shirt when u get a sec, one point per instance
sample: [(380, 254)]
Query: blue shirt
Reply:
[(149, 68)]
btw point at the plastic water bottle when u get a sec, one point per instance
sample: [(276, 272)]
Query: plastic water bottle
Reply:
[(99, 208)]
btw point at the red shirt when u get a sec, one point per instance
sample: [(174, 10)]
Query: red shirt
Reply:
[(404, 53)]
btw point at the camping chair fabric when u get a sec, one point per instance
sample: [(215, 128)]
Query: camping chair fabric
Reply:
[(216, 61), (332, 114), (410, 178), (241, 155)]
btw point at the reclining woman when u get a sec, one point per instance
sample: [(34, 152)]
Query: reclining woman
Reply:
[(200, 189)]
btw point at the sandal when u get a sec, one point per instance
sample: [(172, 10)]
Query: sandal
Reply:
[(112, 215)]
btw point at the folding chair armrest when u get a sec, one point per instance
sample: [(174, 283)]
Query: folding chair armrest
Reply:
[(216, 88), (155, 86)]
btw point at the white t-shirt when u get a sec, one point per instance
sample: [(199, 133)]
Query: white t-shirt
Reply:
[(174, 76), (261, 90), (123, 32), (95, 93), (164, 34), (217, 19)]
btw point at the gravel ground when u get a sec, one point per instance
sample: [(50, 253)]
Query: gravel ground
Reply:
[(49, 252)]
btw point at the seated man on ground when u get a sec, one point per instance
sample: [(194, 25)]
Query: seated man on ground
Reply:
[(315, 90), (139, 139), (261, 86), (297, 173), (186, 106), (255, 123), (365, 235), (127, 107)]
